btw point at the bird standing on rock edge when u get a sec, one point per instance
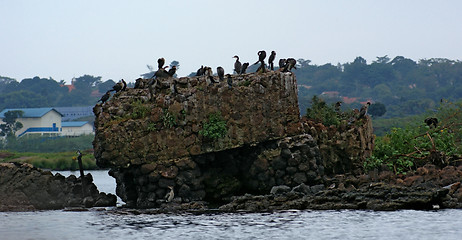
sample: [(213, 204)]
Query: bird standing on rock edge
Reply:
[(244, 67), (229, 80), (271, 60), (105, 97), (170, 195), (237, 65), (261, 57), (221, 73), (363, 111)]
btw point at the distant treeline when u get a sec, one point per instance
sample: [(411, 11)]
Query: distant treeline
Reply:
[(404, 86)]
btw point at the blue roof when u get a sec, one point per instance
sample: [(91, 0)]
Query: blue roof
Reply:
[(30, 112), (73, 124)]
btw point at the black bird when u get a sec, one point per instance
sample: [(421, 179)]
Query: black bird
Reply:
[(282, 63), (229, 80), (124, 84), (363, 111), (271, 60), (289, 64), (261, 56), (337, 106), (161, 73), (209, 73), (172, 71), (200, 71), (117, 87), (105, 97), (431, 121), (237, 65), (160, 63), (244, 67), (262, 68), (221, 73)]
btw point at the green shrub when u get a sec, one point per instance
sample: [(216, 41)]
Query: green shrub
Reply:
[(214, 128), (168, 119), (139, 110), (321, 112)]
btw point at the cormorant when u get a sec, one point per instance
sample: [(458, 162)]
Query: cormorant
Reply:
[(431, 121), (237, 65), (209, 74), (105, 97), (261, 56), (337, 106), (160, 63), (124, 84), (172, 71), (170, 195), (161, 73), (282, 63), (289, 64), (244, 67), (221, 73), (262, 68), (229, 80), (117, 87), (200, 71), (363, 111), (271, 60)]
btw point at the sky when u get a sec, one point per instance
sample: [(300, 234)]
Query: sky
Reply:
[(118, 39)]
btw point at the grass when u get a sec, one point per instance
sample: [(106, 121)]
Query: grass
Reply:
[(52, 161)]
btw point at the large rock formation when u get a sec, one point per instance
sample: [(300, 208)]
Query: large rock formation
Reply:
[(158, 135), (24, 188)]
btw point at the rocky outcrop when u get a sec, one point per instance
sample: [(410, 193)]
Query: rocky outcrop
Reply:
[(154, 137), (24, 188), (166, 120), (427, 188)]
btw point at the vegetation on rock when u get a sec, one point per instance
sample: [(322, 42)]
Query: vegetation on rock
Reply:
[(214, 128)]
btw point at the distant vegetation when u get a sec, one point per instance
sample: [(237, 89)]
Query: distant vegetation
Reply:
[(52, 161), (48, 143)]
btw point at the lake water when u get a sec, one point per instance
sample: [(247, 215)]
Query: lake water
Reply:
[(111, 223)]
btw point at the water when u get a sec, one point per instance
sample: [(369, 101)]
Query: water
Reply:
[(111, 223)]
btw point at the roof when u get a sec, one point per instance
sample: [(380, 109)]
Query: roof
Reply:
[(30, 112), (73, 124)]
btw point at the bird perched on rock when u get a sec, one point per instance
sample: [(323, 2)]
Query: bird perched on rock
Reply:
[(209, 74), (271, 60), (200, 71), (289, 64), (337, 106), (170, 195), (160, 63), (105, 97), (237, 65), (363, 111), (172, 71), (221, 73), (244, 67), (229, 80), (431, 121), (261, 57), (161, 73), (124, 84), (282, 63), (117, 87)]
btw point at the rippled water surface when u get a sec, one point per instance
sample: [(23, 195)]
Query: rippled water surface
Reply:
[(112, 223)]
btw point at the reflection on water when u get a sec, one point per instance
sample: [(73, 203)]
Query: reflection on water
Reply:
[(118, 224), (113, 223)]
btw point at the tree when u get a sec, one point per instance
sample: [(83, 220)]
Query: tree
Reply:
[(377, 109), (10, 125)]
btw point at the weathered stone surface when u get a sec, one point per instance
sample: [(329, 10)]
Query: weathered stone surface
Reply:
[(24, 188), (165, 123)]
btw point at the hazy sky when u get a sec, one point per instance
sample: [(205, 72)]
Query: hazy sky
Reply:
[(117, 39)]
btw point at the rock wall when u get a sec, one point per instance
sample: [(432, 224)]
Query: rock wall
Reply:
[(164, 121), (151, 139), (24, 187)]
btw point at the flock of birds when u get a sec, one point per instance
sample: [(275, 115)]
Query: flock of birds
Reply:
[(285, 65)]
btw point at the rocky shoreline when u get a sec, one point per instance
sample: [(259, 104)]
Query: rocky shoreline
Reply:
[(27, 188)]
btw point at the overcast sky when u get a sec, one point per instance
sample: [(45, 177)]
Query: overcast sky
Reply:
[(117, 39)]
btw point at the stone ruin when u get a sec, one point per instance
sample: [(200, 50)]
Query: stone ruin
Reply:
[(153, 136)]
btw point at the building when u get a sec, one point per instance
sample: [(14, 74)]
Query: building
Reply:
[(47, 121), (72, 113), (37, 120), (76, 128)]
